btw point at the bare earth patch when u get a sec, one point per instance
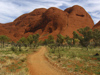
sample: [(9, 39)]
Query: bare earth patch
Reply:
[(38, 65)]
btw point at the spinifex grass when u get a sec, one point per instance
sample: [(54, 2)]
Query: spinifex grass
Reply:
[(77, 59), (14, 62)]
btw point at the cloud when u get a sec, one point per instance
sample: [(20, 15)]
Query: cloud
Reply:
[(11, 9)]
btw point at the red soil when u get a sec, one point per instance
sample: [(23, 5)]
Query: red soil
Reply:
[(38, 64)]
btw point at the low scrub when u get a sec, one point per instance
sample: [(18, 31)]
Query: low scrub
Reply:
[(13, 61), (77, 59)]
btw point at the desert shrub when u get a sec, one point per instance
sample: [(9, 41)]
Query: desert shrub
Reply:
[(13, 49), (2, 59), (20, 49), (23, 60)]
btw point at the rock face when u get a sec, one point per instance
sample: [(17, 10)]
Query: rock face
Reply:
[(78, 18), (97, 26), (51, 21)]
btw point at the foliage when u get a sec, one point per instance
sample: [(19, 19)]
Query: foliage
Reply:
[(4, 39), (30, 39), (60, 39), (84, 37), (45, 42), (13, 49), (68, 40), (50, 39), (76, 59), (36, 38), (96, 37), (23, 40), (76, 41)]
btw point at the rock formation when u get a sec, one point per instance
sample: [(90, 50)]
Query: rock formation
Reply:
[(46, 22), (97, 26)]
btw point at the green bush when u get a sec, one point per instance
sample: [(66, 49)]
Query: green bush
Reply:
[(20, 49), (13, 49)]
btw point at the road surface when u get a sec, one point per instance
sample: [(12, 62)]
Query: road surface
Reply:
[(38, 65)]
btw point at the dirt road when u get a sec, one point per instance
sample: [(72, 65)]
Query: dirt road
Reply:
[(38, 65)]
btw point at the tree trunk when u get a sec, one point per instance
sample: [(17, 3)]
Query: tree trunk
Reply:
[(69, 46), (30, 46), (54, 49), (20, 48), (87, 48), (3, 44), (73, 41), (59, 56)]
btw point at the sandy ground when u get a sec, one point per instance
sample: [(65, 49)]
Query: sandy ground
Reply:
[(38, 65)]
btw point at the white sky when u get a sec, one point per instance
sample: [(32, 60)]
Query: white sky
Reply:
[(11, 9)]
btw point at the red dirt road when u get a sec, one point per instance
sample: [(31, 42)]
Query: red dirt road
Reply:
[(38, 65)]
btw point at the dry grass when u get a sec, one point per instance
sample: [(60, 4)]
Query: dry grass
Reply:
[(77, 60), (13, 63)]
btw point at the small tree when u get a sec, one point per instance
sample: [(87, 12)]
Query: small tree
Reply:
[(69, 41), (24, 41), (3, 39), (59, 41), (19, 43), (85, 36), (45, 42), (36, 39), (40, 42), (30, 40), (12, 43), (96, 37), (51, 42), (50, 39), (75, 39)]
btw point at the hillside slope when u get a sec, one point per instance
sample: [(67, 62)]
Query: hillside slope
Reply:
[(48, 21), (97, 26)]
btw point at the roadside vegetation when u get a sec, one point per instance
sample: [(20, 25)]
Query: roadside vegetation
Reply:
[(80, 54), (13, 55)]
